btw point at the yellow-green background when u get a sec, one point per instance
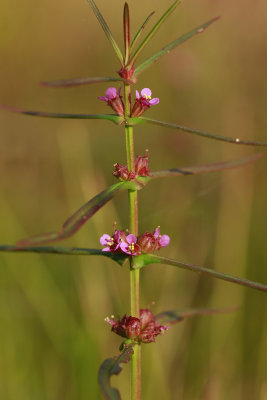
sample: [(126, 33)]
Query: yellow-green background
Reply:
[(52, 308)]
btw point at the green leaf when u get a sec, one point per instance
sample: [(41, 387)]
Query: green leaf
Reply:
[(106, 30), (172, 317), (116, 119), (203, 169), (112, 366), (75, 251), (201, 133), (80, 217), (172, 45), (140, 30), (65, 83), (126, 32), (153, 31), (145, 259)]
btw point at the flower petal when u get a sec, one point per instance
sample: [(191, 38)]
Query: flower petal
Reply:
[(164, 240), (131, 238), (106, 249), (137, 95), (156, 232), (105, 239), (124, 247), (154, 101), (111, 93), (146, 92), (103, 98)]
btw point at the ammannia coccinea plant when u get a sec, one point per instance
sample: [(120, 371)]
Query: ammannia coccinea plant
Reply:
[(127, 246)]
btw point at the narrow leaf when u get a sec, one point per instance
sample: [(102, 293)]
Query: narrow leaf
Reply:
[(126, 32), (112, 366), (80, 217), (116, 119), (106, 30), (140, 30), (146, 259), (204, 134), (153, 31), (203, 169), (66, 83), (172, 46), (172, 317), (75, 251)]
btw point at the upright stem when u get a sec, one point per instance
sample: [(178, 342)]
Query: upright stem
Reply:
[(134, 274)]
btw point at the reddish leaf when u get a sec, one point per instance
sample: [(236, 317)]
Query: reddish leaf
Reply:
[(112, 366)]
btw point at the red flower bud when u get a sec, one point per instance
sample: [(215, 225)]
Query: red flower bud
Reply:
[(147, 242), (146, 316), (126, 73), (141, 165)]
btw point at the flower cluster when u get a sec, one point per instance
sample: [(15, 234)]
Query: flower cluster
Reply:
[(142, 330), (142, 103), (141, 168), (122, 242)]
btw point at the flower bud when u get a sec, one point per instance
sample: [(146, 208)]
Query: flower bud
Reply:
[(141, 165), (147, 242), (126, 73), (146, 316), (122, 172), (129, 327)]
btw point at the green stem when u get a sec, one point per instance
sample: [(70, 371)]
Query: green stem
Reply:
[(134, 274)]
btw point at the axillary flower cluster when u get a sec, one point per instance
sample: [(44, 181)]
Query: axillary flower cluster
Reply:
[(124, 243), (142, 102), (141, 330)]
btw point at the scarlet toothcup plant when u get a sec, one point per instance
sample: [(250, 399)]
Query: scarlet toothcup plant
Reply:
[(141, 326)]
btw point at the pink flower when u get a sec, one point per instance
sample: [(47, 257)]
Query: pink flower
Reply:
[(129, 246), (143, 102), (114, 100)]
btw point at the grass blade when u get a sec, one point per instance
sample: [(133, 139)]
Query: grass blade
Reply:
[(126, 32), (106, 30), (66, 83), (112, 366), (146, 259), (153, 31), (73, 251), (116, 119), (140, 30), (204, 134), (172, 45), (203, 169)]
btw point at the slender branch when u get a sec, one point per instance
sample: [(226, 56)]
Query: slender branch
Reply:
[(134, 274)]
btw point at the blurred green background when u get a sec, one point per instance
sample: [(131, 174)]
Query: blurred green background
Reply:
[(53, 337)]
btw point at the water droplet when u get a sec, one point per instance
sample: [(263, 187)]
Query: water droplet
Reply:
[(200, 30), (237, 140)]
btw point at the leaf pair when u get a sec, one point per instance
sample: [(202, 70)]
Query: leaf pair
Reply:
[(118, 120), (137, 262)]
